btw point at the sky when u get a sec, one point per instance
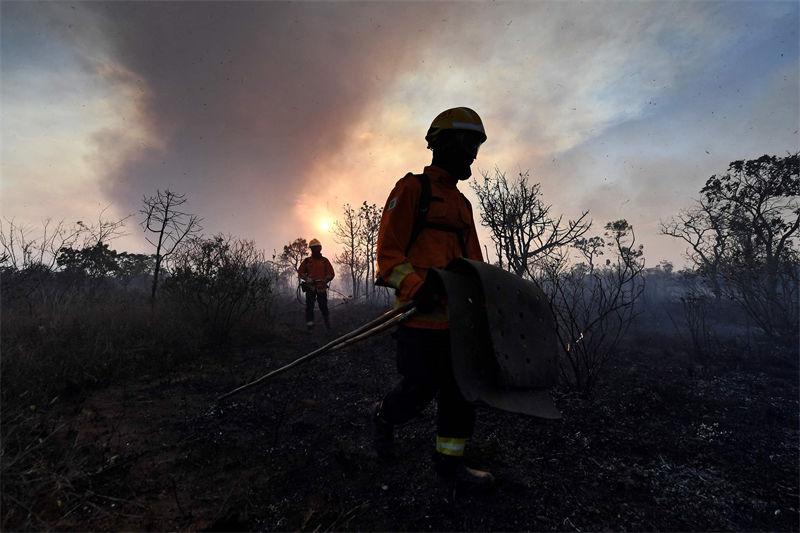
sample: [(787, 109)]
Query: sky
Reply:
[(270, 116)]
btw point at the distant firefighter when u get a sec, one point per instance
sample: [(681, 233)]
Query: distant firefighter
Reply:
[(315, 273), (426, 223)]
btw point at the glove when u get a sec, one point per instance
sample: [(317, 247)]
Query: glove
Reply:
[(427, 297)]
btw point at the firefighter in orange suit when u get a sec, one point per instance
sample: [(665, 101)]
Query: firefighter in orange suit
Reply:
[(315, 273), (410, 243)]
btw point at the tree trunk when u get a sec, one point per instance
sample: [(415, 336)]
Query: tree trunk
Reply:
[(156, 273)]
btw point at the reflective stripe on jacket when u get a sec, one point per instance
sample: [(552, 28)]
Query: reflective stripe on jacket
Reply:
[(313, 268), (433, 248)]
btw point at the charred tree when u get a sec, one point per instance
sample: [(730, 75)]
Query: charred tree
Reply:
[(348, 233), (370, 216), (524, 232), (168, 225)]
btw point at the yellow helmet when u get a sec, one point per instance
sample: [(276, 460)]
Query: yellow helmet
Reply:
[(313, 243), (457, 118)]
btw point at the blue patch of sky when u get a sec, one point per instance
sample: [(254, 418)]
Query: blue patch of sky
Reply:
[(764, 45), (703, 114), (29, 42), (40, 67), (739, 71)]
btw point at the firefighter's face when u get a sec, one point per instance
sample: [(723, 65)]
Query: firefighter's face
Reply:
[(456, 150), (461, 146)]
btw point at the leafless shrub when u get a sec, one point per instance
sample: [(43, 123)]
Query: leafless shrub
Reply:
[(223, 280), (20, 248), (524, 232), (29, 257), (594, 304)]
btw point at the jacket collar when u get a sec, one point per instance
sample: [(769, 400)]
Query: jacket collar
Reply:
[(440, 175)]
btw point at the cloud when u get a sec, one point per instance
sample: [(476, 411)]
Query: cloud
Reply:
[(55, 103), (270, 116), (246, 99)]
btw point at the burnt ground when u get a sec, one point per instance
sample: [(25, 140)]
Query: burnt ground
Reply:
[(665, 444)]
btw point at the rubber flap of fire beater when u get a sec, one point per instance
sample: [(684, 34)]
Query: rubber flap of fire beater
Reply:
[(503, 338)]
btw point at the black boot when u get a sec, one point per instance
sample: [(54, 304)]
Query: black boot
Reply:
[(452, 470), (382, 436)]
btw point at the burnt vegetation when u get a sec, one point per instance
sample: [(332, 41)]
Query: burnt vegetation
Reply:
[(678, 387)]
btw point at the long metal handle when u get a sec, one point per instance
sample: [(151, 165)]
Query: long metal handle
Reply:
[(377, 329), (383, 322)]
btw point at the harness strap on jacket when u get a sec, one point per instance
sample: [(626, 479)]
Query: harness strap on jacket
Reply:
[(421, 220), (422, 209)]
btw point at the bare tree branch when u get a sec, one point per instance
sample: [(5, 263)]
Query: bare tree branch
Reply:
[(168, 225)]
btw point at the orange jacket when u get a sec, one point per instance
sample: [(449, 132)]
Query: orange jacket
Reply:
[(433, 248), (313, 268)]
